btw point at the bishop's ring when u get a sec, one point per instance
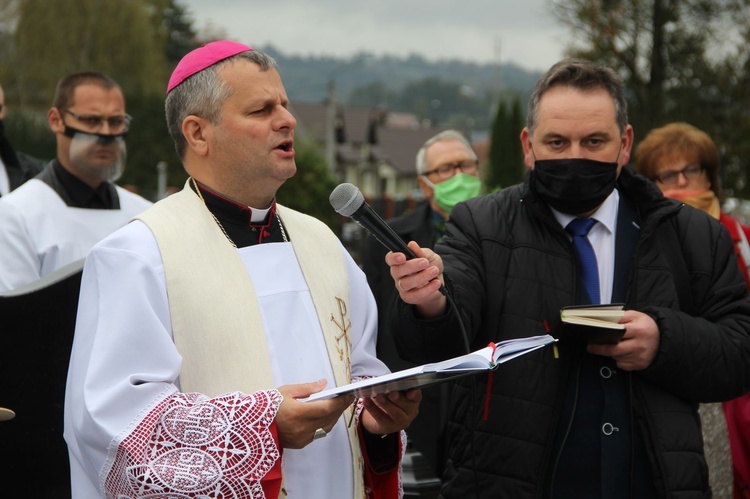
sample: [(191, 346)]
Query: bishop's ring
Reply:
[(319, 433)]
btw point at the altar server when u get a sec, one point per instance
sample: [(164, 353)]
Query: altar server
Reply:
[(56, 217)]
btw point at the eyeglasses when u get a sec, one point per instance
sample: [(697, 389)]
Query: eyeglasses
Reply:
[(117, 124), (469, 166), (671, 177)]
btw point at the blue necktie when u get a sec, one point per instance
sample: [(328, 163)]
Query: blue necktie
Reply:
[(579, 229)]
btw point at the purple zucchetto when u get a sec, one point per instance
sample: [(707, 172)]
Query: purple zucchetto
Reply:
[(203, 57)]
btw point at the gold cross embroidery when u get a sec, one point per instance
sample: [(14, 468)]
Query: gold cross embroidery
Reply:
[(344, 325)]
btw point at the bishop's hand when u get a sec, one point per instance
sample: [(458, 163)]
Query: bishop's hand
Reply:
[(392, 412), (297, 423)]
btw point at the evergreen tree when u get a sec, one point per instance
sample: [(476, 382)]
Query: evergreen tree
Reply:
[(173, 20), (506, 165)]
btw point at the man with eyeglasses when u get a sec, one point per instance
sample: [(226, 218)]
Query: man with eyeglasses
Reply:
[(447, 173), (15, 166), (56, 217)]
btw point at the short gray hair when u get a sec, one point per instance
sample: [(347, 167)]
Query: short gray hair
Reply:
[(584, 76), (444, 135), (202, 95)]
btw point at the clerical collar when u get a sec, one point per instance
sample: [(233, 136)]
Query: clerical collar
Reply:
[(76, 193), (237, 220)]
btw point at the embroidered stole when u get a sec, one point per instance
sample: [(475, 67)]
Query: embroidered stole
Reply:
[(216, 320)]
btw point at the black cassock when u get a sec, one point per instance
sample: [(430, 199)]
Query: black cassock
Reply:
[(38, 322)]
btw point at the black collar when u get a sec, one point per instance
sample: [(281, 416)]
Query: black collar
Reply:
[(235, 219), (76, 193)]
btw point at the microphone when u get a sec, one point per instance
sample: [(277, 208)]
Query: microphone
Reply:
[(348, 201)]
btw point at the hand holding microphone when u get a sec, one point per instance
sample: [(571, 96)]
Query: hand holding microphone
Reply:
[(413, 281)]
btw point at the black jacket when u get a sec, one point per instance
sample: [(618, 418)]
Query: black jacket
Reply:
[(20, 167), (511, 267)]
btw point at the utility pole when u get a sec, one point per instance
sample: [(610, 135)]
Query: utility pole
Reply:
[(330, 137), (498, 48), (161, 178)]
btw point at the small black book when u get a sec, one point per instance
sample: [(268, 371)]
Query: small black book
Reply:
[(592, 323)]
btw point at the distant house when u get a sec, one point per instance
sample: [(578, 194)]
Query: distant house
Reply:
[(371, 148)]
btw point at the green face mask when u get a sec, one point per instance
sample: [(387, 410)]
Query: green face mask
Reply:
[(459, 187)]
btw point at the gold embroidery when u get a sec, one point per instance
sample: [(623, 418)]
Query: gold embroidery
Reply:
[(344, 326)]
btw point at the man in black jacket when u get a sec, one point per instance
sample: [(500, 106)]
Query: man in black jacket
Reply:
[(15, 167), (580, 420), (447, 173)]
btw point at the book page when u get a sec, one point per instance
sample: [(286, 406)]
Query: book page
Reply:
[(481, 359), (507, 349), (598, 322), (610, 312)]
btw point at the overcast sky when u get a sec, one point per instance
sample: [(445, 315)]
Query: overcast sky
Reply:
[(524, 32)]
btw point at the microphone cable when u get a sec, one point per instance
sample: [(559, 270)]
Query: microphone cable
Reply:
[(347, 200), (472, 399)]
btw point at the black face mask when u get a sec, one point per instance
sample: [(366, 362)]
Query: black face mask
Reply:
[(7, 153), (573, 186)]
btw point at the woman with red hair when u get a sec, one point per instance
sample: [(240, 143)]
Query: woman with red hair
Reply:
[(683, 162)]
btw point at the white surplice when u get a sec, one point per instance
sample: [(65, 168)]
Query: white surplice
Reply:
[(124, 362), (39, 233)]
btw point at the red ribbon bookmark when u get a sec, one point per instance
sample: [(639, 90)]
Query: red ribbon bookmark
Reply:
[(489, 382)]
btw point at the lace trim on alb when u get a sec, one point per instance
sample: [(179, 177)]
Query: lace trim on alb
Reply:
[(193, 446)]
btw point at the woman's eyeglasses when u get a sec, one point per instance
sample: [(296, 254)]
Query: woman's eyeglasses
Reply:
[(671, 177)]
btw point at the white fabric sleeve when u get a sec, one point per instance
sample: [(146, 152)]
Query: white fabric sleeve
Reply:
[(123, 372), (19, 264)]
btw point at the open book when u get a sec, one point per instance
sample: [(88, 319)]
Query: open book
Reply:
[(592, 323), (486, 359)]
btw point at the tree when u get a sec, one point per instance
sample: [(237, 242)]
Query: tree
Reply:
[(671, 56), (148, 143), (506, 166), (112, 36), (136, 42), (734, 86), (374, 94), (309, 189), (175, 25), (30, 134), (443, 103)]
